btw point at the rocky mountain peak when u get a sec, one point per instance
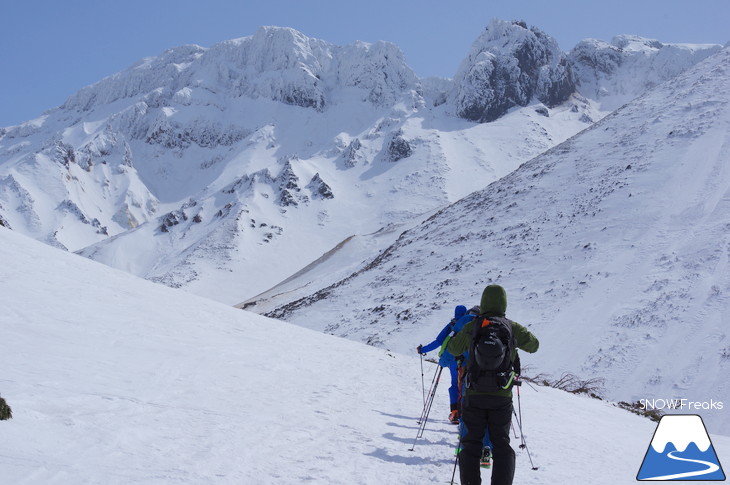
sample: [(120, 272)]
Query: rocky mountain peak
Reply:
[(510, 65)]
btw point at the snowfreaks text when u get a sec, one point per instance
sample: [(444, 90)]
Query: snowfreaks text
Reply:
[(680, 404)]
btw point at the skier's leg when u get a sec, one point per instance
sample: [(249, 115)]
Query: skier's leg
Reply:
[(499, 420), (454, 389), (475, 424)]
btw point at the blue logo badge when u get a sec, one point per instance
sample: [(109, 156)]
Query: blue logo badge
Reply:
[(681, 450)]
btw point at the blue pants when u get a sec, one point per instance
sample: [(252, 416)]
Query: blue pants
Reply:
[(454, 389)]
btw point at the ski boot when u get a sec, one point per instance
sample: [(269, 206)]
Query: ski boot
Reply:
[(454, 417), (486, 460)]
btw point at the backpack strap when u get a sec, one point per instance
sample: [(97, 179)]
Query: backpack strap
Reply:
[(452, 332), (477, 324), (478, 321), (516, 365)]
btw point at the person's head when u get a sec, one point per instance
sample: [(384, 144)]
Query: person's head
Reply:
[(494, 300), (459, 311)]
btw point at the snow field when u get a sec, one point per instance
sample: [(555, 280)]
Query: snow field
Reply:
[(113, 379)]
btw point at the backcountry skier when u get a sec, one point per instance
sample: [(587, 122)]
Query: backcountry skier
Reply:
[(487, 401), (446, 359)]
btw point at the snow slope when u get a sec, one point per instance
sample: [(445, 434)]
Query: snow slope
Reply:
[(113, 379), (613, 73), (613, 246), (206, 168)]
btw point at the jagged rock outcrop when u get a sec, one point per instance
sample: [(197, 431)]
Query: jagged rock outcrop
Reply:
[(172, 219), (319, 189), (352, 154), (287, 183), (399, 148), (205, 134), (510, 65)]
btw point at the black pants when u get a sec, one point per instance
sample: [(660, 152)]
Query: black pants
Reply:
[(480, 413)]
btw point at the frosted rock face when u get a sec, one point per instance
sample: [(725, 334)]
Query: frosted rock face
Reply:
[(399, 148), (380, 69), (508, 66), (615, 73), (319, 188), (275, 63), (141, 78)]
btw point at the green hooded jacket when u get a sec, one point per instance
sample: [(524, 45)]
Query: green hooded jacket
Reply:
[(494, 303)]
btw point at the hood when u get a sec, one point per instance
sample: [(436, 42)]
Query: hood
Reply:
[(459, 311), (494, 300)]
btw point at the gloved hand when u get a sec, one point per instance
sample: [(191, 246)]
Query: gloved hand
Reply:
[(418, 349)]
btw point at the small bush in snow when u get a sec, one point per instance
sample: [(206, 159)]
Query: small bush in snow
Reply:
[(5, 411)]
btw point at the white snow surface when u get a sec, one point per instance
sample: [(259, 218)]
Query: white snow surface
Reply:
[(211, 170), (613, 247), (614, 73), (116, 380)]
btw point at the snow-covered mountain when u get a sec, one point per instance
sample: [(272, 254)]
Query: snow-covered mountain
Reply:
[(279, 171), (613, 73), (223, 170), (116, 380), (613, 246)]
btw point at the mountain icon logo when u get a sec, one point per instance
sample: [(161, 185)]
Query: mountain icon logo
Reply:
[(681, 450)]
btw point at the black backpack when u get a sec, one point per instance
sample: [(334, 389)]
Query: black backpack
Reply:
[(490, 367)]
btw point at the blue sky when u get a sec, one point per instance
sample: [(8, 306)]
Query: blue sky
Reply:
[(51, 49)]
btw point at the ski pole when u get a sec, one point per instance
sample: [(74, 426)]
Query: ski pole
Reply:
[(430, 401), (519, 402), (433, 380), (522, 433), (427, 408), (456, 459), (423, 383), (429, 404)]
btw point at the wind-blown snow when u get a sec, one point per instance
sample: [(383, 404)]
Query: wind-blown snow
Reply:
[(113, 379)]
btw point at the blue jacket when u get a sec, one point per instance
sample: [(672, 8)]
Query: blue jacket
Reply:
[(461, 323), (445, 357)]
